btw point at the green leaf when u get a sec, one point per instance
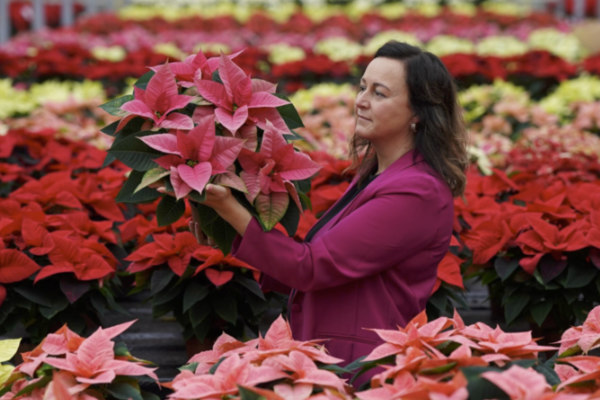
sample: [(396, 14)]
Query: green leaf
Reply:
[(108, 159), (169, 210), (151, 176), (198, 314), (134, 153), (481, 388), (142, 82), (505, 268), (41, 297), (165, 297), (132, 127), (547, 369), (113, 107), (251, 285), (110, 129), (124, 391), (225, 307), (290, 219), (439, 370), (248, 394), (150, 396), (271, 208), (215, 227), (54, 308), (514, 306), (160, 279), (194, 292), (540, 311), (440, 302), (579, 275), (127, 193), (289, 114), (37, 384)]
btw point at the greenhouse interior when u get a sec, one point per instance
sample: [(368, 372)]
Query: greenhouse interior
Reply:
[(130, 128)]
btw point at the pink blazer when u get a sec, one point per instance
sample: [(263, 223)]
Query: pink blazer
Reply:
[(373, 265)]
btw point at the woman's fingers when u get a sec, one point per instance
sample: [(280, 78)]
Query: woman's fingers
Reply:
[(197, 231)]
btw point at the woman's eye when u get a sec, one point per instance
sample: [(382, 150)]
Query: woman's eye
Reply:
[(379, 94), (361, 88)]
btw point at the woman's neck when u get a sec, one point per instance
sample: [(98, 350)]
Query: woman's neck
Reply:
[(387, 155)]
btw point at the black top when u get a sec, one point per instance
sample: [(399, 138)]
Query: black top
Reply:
[(332, 212)]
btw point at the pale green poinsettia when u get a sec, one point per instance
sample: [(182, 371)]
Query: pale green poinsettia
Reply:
[(338, 48), (304, 99), (8, 348), (383, 37), (109, 53), (58, 92), (562, 44), (281, 53), (392, 10), (212, 47), (428, 8), (463, 8), (517, 9), (477, 100), (585, 88), (442, 45), (170, 50), (501, 46), (14, 101)]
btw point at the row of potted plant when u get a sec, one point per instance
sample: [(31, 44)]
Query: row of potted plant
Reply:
[(442, 358), (319, 51), (72, 108)]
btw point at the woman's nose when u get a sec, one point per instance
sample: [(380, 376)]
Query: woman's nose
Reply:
[(361, 101)]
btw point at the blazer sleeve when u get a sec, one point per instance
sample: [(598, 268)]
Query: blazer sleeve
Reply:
[(392, 225)]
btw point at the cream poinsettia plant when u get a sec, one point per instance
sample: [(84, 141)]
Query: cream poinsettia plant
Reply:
[(8, 348), (205, 120)]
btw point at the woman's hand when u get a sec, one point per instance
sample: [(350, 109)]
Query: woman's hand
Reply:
[(220, 199), (194, 226)]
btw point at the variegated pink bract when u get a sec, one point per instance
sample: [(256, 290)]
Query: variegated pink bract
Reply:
[(239, 98), (195, 66), (269, 172), (194, 157), (158, 101)]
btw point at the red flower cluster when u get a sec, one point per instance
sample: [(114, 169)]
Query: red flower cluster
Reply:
[(59, 212), (545, 206)]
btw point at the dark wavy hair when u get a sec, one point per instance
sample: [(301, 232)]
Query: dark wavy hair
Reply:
[(440, 135)]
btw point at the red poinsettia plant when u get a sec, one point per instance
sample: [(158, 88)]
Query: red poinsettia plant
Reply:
[(204, 120)]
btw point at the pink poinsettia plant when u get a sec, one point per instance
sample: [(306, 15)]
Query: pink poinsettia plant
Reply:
[(205, 120), (67, 366)]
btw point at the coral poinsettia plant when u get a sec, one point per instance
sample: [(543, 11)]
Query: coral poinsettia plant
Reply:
[(273, 367), (67, 366), (205, 120), (446, 359)]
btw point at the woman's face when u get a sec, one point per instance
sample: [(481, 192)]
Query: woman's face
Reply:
[(382, 110)]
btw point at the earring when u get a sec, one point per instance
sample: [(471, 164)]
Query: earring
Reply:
[(413, 127)]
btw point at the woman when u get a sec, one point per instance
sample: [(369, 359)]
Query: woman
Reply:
[(371, 260)]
